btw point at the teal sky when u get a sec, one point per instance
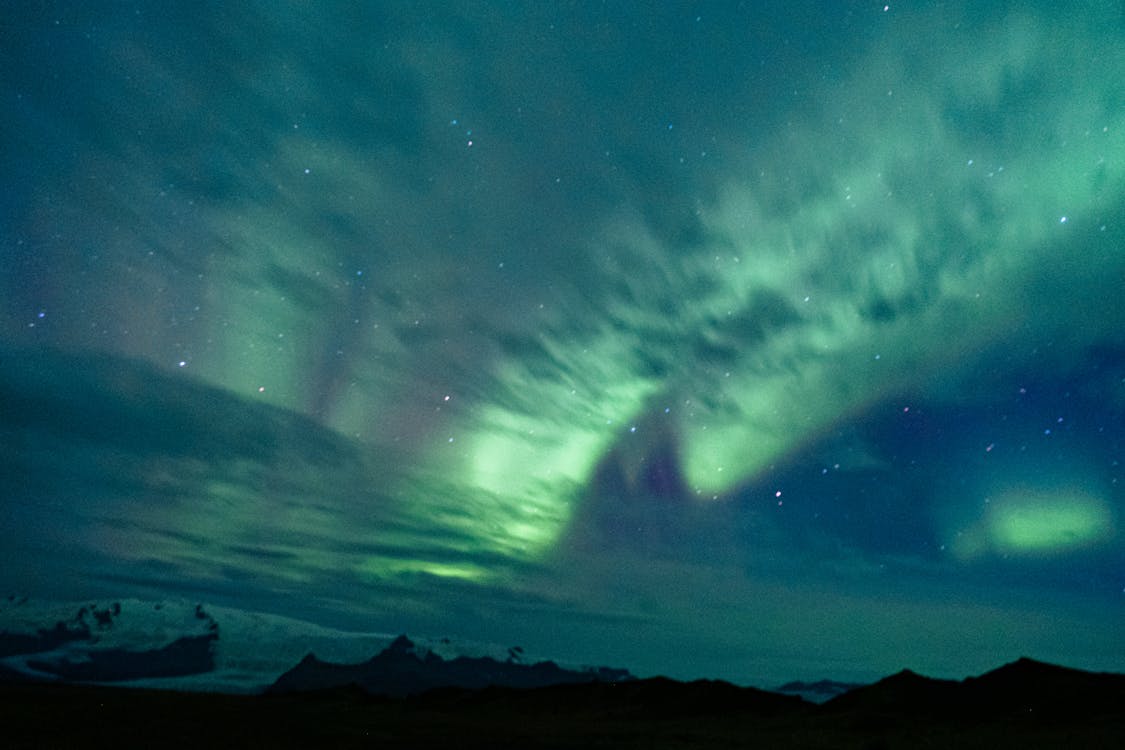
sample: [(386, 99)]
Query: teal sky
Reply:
[(747, 340)]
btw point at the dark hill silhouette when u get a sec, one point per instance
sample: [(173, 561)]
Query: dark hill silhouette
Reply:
[(1025, 688), (1025, 704), (401, 670), (905, 692), (650, 699)]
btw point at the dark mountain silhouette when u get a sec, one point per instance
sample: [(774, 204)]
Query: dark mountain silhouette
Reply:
[(903, 693), (393, 700), (1025, 688), (650, 699), (184, 656), (1025, 704), (819, 691), (403, 670)]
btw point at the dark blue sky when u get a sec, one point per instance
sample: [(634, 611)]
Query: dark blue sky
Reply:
[(746, 340)]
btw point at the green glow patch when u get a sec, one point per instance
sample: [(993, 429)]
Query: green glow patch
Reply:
[(1034, 523), (1037, 523)]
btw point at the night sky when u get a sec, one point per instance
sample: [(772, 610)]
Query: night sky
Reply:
[(762, 341)]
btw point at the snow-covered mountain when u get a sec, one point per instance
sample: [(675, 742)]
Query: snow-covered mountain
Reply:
[(188, 645)]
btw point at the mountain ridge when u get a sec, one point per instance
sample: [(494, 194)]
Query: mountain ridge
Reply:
[(1024, 686), (403, 670)]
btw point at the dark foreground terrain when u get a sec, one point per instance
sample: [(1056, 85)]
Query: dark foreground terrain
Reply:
[(1022, 705)]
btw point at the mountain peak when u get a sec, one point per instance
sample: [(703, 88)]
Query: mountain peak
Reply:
[(903, 691), (905, 676), (1026, 662), (401, 645)]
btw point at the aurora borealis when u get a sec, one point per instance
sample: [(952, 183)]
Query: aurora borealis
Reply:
[(760, 341)]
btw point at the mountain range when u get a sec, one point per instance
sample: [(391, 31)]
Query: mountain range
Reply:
[(83, 680), (1024, 704), (1024, 688), (403, 670)]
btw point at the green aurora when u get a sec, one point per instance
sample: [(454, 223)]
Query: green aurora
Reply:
[(710, 342)]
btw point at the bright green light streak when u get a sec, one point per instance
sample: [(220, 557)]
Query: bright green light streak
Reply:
[(523, 464), (384, 568), (1043, 523)]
